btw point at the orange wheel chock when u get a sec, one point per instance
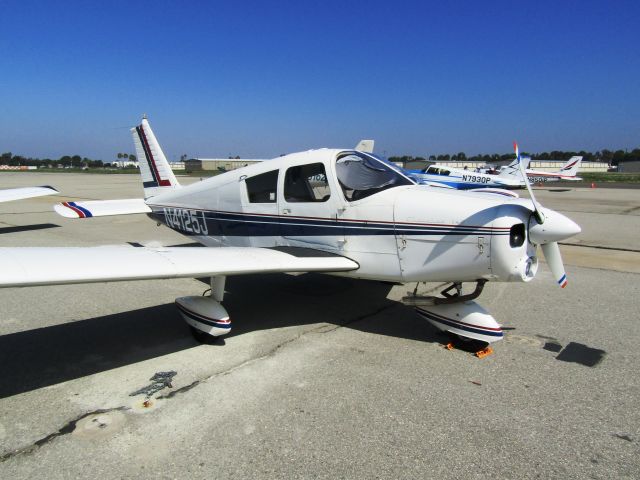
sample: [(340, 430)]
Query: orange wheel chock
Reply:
[(485, 352), (449, 346)]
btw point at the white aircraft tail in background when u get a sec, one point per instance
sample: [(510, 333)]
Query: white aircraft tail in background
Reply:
[(570, 169), (365, 146), (513, 169), (157, 176)]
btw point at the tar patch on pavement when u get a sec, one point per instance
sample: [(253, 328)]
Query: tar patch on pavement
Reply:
[(582, 354), (552, 347), (623, 437), (159, 381)]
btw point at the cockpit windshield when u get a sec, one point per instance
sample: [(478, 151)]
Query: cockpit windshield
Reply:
[(361, 175)]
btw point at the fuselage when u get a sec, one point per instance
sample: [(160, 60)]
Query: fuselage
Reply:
[(463, 179), (351, 204), (539, 176)]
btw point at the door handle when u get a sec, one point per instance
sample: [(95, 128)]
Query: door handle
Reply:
[(286, 211)]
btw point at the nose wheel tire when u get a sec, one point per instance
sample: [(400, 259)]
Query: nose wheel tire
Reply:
[(205, 338)]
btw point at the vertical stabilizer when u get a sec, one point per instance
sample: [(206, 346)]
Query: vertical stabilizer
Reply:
[(365, 146), (570, 169), (513, 169), (157, 176)]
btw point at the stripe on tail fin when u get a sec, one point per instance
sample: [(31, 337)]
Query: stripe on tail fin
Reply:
[(570, 168), (157, 176)]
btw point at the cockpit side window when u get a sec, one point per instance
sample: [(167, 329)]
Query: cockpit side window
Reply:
[(262, 188), (361, 175), (306, 183)]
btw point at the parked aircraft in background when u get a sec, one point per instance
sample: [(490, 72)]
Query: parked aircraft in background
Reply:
[(508, 177), (366, 220), (465, 179), (568, 172), (10, 194)]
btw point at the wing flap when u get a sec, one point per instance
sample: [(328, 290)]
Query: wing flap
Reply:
[(31, 266), (101, 208)]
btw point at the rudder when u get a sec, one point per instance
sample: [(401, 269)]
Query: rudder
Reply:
[(157, 176)]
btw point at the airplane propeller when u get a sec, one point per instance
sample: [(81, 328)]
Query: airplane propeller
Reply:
[(547, 228)]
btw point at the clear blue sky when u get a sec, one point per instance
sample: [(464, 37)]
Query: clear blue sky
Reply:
[(258, 79)]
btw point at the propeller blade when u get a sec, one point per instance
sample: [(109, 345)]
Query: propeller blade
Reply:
[(552, 255), (523, 170)]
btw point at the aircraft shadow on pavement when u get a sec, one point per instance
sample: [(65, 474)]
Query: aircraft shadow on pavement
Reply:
[(27, 228), (47, 356)]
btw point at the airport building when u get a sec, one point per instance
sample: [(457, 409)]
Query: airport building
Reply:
[(543, 165), (220, 164), (629, 166)]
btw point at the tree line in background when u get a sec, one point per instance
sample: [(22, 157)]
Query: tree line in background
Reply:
[(607, 156), (67, 161)]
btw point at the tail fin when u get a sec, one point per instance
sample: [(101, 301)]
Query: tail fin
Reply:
[(157, 176), (570, 169), (513, 169), (365, 146)]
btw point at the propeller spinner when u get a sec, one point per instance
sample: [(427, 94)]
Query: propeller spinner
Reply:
[(546, 228)]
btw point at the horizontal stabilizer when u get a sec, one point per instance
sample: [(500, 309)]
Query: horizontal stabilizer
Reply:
[(101, 208), (11, 194), (31, 266)]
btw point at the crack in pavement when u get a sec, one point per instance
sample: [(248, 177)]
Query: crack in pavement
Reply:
[(70, 426), (319, 329)]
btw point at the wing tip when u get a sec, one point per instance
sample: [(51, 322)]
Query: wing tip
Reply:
[(65, 209)]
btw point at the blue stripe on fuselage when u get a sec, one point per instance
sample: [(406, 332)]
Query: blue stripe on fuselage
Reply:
[(256, 225)]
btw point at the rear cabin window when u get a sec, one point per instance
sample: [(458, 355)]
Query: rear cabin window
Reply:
[(262, 188), (306, 183)]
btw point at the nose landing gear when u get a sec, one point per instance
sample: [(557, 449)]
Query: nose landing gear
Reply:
[(458, 314)]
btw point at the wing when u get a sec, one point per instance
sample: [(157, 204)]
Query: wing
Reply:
[(11, 194), (30, 266), (101, 208)]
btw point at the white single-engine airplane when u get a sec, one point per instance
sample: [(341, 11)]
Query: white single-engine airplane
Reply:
[(360, 217), (11, 194), (568, 172), (462, 179), (509, 176)]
